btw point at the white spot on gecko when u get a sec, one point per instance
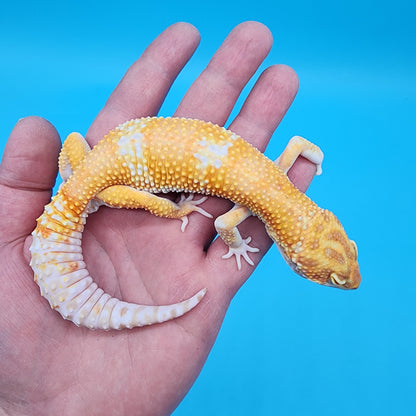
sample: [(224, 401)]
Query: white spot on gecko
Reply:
[(132, 169), (297, 247), (211, 153), (59, 207), (131, 145)]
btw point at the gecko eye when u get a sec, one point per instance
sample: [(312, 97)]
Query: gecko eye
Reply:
[(336, 280)]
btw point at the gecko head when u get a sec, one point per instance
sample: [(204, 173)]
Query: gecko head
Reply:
[(325, 255), (335, 255), (347, 276), (334, 265)]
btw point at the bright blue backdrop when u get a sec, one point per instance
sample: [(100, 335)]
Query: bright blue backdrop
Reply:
[(309, 350)]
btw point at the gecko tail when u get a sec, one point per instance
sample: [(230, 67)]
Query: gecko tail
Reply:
[(85, 304), (63, 279), (101, 311)]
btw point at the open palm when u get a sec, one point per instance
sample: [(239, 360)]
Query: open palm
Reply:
[(48, 365)]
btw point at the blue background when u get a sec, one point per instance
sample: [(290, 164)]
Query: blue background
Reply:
[(308, 350)]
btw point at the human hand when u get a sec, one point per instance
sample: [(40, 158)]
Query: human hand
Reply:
[(48, 365)]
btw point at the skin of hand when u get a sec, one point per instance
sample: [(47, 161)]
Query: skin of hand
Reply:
[(48, 365)]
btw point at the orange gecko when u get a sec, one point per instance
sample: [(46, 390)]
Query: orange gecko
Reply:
[(153, 155)]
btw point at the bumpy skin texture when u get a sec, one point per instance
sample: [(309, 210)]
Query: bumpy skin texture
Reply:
[(152, 155)]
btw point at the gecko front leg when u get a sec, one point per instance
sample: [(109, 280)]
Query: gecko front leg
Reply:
[(298, 146), (226, 225)]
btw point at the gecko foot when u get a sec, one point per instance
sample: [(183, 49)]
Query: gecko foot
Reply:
[(241, 251), (188, 205)]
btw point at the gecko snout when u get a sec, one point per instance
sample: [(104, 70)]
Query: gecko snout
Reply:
[(345, 273), (350, 282)]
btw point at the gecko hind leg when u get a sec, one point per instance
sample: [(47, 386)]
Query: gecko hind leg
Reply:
[(123, 196), (73, 152), (74, 149)]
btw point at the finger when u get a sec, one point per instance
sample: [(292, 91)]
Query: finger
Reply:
[(263, 111), (214, 93), (144, 87), (266, 105), (27, 175)]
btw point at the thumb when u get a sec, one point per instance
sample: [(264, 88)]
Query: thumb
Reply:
[(27, 175)]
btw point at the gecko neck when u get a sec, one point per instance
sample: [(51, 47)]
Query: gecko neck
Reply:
[(286, 211)]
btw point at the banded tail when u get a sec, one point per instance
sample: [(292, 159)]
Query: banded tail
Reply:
[(65, 282)]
